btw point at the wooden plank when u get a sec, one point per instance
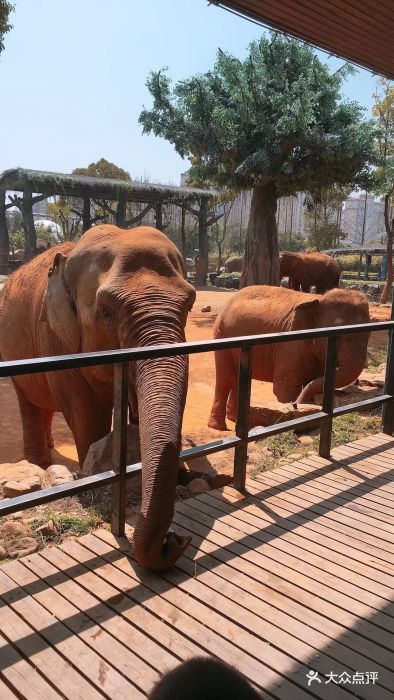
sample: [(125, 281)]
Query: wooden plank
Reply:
[(340, 554), (280, 596), (332, 603), (132, 623), (205, 625), (23, 677), (106, 633), (324, 525), (365, 527), (65, 638), (5, 692)]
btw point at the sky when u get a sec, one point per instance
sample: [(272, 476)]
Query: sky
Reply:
[(73, 73)]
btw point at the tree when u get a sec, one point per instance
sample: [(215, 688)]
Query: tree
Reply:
[(323, 217), (104, 211), (273, 122), (383, 175), (5, 10), (63, 212)]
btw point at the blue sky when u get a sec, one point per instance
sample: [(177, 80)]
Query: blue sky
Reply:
[(72, 78)]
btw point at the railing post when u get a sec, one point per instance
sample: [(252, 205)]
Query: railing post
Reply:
[(388, 408), (119, 447), (242, 424), (328, 396)]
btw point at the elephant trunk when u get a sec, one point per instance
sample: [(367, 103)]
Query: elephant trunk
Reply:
[(161, 391), (352, 354)]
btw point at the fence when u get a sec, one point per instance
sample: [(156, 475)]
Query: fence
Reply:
[(121, 358)]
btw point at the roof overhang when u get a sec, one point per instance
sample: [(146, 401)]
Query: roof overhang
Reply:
[(37, 181), (359, 31)]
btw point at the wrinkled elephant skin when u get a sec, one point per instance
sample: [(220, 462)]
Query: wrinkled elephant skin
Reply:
[(112, 289)]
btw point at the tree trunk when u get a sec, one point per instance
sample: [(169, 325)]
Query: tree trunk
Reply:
[(4, 239), (362, 236), (28, 220), (202, 263), (86, 220), (261, 263), (389, 225)]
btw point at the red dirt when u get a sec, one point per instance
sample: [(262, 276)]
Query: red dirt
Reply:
[(200, 392)]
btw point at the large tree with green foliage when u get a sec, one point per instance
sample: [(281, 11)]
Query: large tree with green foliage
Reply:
[(273, 122), (383, 175), (5, 10)]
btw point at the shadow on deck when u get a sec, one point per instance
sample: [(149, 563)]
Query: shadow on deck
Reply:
[(293, 577)]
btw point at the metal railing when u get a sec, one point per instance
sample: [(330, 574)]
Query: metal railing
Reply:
[(120, 472)]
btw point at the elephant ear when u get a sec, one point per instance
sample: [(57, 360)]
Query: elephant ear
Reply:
[(306, 315), (58, 310)]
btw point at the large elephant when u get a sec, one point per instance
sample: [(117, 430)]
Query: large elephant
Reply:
[(306, 270), (234, 263), (112, 289), (296, 368)]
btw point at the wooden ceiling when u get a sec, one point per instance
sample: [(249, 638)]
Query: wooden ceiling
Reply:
[(360, 31)]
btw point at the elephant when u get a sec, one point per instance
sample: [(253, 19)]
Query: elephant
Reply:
[(297, 368), (306, 270), (234, 263), (112, 289)]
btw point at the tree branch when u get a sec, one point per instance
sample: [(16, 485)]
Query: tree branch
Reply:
[(139, 216)]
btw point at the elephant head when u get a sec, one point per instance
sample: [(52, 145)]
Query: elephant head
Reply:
[(339, 307), (122, 289)]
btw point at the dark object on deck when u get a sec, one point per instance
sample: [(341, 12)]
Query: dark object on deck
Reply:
[(203, 679)]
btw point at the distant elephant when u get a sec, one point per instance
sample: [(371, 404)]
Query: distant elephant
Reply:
[(234, 263), (295, 368), (112, 289), (306, 270)]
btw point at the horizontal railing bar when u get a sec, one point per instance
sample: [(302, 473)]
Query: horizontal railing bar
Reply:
[(209, 448), (257, 433), (54, 493), (62, 362), (368, 403)]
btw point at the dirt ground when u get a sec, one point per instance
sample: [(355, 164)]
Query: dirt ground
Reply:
[(199, 399)]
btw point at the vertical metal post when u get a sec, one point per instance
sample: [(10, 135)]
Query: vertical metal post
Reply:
[(328, 396), (242, 424), (119, 447), (388, 408)]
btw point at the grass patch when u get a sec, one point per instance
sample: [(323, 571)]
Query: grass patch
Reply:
[(275, 450), (376, 357)]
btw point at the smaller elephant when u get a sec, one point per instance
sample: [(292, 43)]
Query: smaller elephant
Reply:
[(234, 264), (296, 369), (306, 270)]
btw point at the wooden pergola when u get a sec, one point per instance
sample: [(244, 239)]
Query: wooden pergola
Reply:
[(34, 186)]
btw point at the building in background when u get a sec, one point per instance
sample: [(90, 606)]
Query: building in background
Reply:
[(363, 219)]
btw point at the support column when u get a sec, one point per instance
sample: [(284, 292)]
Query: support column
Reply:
[(120, 218), (86, 220), (159, 216), (202, 263), (4, 238), (28, 220), (183, 237)]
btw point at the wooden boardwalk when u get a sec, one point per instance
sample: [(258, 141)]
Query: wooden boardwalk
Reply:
[(295, 577)]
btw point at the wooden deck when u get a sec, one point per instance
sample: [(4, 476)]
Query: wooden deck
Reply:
[(296, 576)]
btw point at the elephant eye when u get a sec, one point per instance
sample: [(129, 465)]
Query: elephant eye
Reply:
[(104, 313)]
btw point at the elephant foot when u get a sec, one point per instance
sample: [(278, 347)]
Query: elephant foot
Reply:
[(232, 417), (43, 461), (217, 424)]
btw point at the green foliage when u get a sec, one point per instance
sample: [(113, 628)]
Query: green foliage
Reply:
[(383, 111), (5, 10), (17, 239), (351, 262), (277, 114), (103, 168), (325, 235), (291, 241)]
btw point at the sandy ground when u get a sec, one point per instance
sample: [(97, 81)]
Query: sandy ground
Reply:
[(200, 393)]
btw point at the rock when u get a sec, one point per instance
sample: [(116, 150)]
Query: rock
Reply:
[(206, 309), (198, 486), (305, 440), (3, 553), (17, 516), (12, 529), (21, 547), (294, 455), (58, 474), (18, 488), (99, 457), (19, 471), (274, 412), (48, 529)]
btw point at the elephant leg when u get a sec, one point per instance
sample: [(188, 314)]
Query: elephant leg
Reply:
[(225, 379), (295, 284), (47, 420), (232, 404), (305, 287), (88, 417), (34, 425)]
